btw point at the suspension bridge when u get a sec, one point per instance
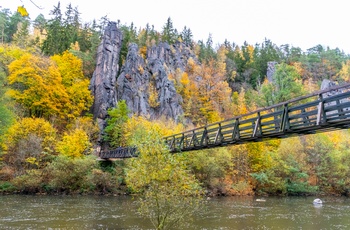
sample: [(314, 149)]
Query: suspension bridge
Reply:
[(321, 111)]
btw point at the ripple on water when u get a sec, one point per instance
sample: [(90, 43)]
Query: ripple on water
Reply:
[(233, 216), (30, 212)]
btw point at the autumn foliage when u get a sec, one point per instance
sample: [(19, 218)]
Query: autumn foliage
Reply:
[(50, 142), (29, 144), (50, 87), (37, 86)]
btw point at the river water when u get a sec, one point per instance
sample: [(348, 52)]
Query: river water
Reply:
[(100, 212)]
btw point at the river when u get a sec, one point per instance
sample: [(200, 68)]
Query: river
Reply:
[(101, 212)]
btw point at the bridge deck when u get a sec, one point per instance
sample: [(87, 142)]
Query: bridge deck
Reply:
[(317, 112)]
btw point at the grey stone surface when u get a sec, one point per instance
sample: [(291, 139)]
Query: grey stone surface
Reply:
[(133, 82), (138, 78), (103, 82), (139, 75), (270, 70), (326, 84)]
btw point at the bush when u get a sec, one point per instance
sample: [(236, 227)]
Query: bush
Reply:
[(210, 167), (6, 173), (31, 182), (169, 193), (300, 188), (6, 186), (75, 144), (116, 169), (101, 181), (71, 175), (268, 183), (241, 188), (28, 144)]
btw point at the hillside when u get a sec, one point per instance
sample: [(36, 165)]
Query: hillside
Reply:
[(70, 89)]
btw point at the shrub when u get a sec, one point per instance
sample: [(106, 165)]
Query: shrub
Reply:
[(241, 188), (101, 181), (300, 188), (6, 186), (170, 194), (6, 173), (268, 183), (28, 144), (71, 174), (31, 182), (74, 144)]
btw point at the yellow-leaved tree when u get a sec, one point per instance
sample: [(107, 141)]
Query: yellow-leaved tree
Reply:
[(50, 88), (344, 73), (76, 85), (74, 144), (36, 84), (208, 95), (164, 127), (29, 144), (169, 194), (9, 53)]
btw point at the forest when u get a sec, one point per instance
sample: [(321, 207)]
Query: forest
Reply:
[(48, 136)]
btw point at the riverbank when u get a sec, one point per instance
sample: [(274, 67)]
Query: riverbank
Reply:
[(8, 189), (86, 176)]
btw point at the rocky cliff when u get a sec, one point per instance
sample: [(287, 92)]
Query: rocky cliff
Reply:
[(103, 82), (142, 81)]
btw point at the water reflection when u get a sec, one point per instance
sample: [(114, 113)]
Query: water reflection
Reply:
[(95, 212)]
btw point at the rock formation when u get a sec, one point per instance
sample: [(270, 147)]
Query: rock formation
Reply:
[(103, 82), (133, 82), (144, 83), (271, 68), (327, 84)]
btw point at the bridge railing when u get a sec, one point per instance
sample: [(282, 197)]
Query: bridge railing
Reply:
[(319, 111), (120, 152)]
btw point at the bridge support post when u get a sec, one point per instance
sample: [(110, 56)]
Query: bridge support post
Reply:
[(219, 137), (257, 128), (194, 139), (285, 125), (205, 138), (172, 144), (321, 114), (235, 133), (181, 142)]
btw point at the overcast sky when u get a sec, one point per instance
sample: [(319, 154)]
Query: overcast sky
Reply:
[(301, 23)]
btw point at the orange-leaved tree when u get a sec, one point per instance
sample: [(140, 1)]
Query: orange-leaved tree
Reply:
[(209, 94)]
